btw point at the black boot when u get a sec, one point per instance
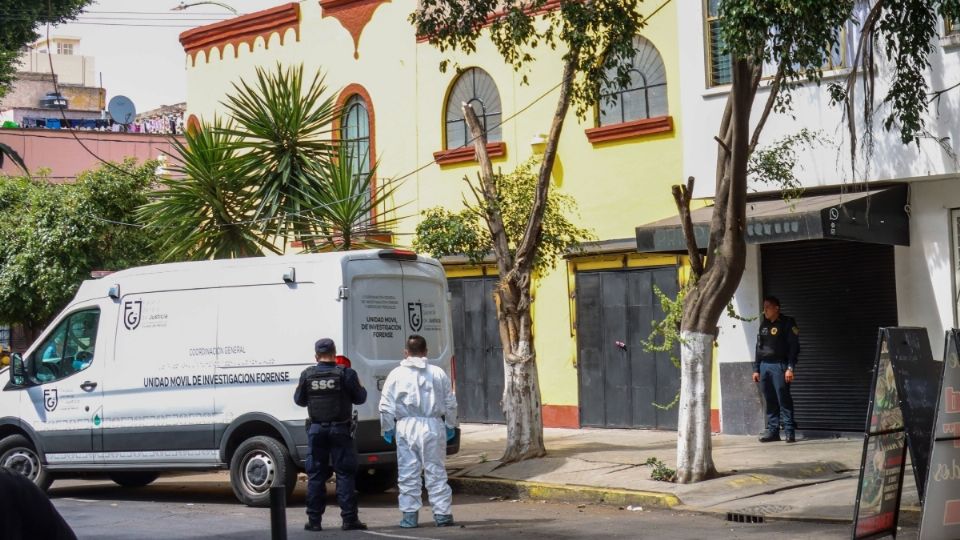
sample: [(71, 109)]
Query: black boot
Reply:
[(355, 525), (770, 436), (312, 526), (791, 437)]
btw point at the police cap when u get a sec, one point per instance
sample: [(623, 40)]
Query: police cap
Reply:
[(324, 346)]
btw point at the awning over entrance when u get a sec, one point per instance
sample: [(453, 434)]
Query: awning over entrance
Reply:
[(877, 216)]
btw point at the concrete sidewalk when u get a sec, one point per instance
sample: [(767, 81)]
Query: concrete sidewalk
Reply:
[(811, 480)]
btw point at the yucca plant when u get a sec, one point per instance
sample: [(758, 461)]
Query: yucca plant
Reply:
[(344, 215), (281, 132), (204, 211)]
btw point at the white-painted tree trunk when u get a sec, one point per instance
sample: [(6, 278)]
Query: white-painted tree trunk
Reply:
[(694, 455), (521, 406)]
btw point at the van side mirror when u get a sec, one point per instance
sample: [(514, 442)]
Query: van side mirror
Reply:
[(17, 371)]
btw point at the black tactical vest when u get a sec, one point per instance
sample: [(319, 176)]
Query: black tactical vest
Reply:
[(326, 399)]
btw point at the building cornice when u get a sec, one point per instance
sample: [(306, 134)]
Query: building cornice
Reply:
[(353, 15), (243, 29)]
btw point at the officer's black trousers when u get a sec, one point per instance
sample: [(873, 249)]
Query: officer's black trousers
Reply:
[(776, 394), (331, 450)]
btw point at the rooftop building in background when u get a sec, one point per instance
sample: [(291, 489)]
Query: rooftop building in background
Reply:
[(35, 101)]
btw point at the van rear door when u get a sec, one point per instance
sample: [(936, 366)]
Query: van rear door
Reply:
[(426, 308), (374, 329)]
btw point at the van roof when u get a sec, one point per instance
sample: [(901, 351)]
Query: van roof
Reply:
[(171, 275)]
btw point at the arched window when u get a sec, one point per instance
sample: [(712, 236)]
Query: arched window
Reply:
[(646, 94), (476, 87), (355, 135)]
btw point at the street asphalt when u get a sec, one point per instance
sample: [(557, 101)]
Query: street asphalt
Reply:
[(203, 506)]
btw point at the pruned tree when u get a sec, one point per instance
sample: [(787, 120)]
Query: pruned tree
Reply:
[(596, 38), (797, 38)]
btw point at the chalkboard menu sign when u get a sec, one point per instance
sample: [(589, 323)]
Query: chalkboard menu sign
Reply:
[(884, 453), (917, 376), (941, 509)]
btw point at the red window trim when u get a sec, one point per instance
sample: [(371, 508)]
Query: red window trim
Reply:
[(629, 130), (466, 154)]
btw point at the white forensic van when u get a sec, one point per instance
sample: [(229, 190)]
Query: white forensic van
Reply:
[(193, 366)]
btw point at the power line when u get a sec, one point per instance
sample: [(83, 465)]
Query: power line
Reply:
[(394, 179)]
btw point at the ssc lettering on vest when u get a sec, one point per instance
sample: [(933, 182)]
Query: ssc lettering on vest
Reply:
[(325, 384)]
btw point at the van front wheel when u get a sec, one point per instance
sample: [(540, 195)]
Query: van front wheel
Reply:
[(258, 464), (18, 454)]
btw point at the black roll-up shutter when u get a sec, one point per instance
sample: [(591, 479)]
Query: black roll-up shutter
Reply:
[(840, 293)]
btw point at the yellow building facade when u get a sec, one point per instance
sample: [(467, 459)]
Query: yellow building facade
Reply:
[(618, 166)]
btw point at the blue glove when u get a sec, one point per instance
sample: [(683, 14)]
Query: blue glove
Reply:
[(451, 433), (388, 436)]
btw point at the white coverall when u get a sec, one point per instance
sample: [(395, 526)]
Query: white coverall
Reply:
[(415, 396)]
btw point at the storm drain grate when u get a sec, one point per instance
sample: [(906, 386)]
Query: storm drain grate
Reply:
[(756, 513), (743, 518)]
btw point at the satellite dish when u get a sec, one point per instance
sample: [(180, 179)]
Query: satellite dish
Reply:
[(121, 109)]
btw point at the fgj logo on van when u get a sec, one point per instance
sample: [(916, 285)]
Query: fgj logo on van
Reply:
[(415, 315), (50, 399), (131, 313)]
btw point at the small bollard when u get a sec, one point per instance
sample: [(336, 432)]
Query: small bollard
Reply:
[(278, 513)]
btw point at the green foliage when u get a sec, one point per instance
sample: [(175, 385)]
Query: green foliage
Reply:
[(799, 36), (268, 175), (597, 36), (344, 209), (204, 211), (774, 164), (281, 129), (660, 471), (21, 19), (665, 334), (444, 233), (54, 235)]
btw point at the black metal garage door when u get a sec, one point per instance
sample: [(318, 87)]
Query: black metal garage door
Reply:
[(619, 385), (840, 293), (477, 346)]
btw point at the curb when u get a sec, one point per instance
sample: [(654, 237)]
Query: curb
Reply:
[(511, 489)]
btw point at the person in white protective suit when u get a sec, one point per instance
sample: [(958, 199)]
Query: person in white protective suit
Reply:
[(419, 409)]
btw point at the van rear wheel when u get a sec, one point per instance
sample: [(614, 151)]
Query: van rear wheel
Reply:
[(376, 480), (18, 454), (258, 464), (134, 479)]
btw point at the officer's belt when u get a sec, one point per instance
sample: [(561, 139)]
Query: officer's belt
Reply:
[(772, 361), (329, 424)]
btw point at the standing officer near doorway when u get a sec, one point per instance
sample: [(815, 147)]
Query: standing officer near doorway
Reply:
[(329, 392), (778, 345)]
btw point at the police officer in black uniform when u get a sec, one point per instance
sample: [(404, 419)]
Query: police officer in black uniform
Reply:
[(778, 345), (329, 393)]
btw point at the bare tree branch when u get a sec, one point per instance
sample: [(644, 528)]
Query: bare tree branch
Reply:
[(488, 186), (531, 236), (682, 195), (768, 107)]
